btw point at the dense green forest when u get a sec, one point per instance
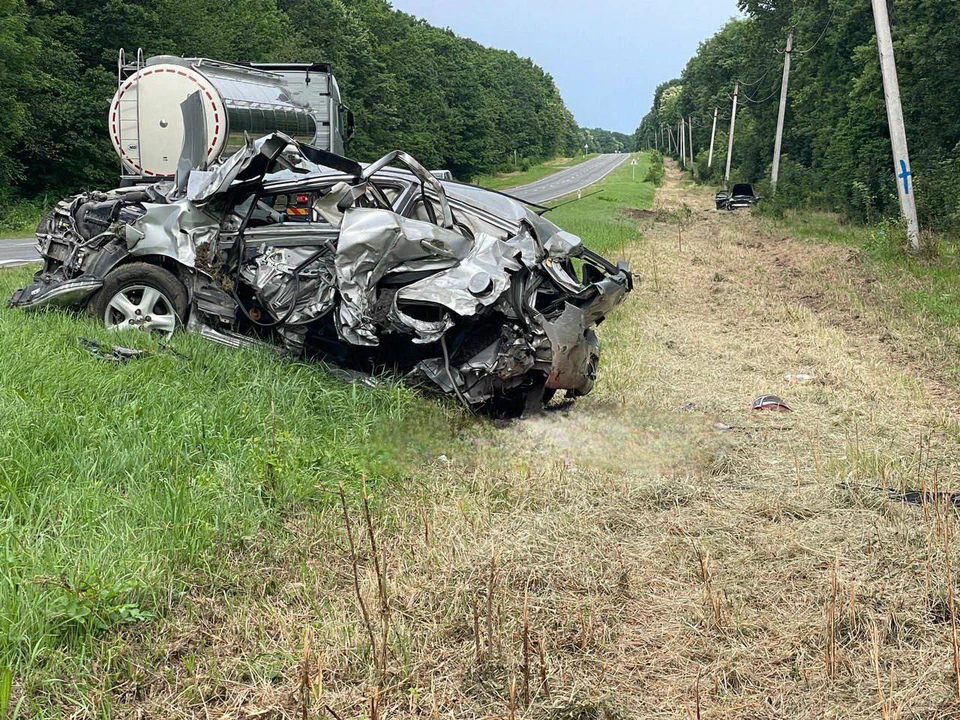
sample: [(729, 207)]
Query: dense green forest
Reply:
[(607, 141), (446, 99), (836, 143)]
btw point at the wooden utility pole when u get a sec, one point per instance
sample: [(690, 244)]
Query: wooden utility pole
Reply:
[(733, 128), (898, 131), (778, 145), (690, 132), (713, 136)]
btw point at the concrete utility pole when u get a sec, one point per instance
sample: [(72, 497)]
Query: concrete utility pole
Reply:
[(683, 143), (898, 131), (778, 145), (690, 132), (733, 127), (713, 136)]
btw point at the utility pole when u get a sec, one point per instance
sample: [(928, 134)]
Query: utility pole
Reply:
[(713, 136), (690, 132), (733, 127), (683, 143), (898, 131), (778, 145)]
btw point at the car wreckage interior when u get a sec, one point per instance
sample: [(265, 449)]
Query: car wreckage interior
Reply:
[(377, 267)]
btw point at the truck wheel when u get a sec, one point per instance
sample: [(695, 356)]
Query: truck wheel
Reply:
[(142, 296)]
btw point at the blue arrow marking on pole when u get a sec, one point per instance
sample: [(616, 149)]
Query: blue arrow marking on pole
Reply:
[(905, 175)]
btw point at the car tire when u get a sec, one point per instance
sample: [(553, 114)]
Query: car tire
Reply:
[(141, 295)]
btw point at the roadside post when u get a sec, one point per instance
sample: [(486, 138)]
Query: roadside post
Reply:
[(633, 169), (733, 128), (898, 131), (713, 136), (778, 145)]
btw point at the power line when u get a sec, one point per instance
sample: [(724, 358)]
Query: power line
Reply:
[(757, 82), (822, 34), (760, 102)]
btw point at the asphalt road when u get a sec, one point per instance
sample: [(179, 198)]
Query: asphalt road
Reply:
[(18, 252), (23, 250), (570, 180)]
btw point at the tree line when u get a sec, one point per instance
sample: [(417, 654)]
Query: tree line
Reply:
[(836, 149), (446, 99)]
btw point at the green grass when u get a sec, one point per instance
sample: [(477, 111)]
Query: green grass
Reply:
[(598, 219), (123, 485), (933, 287), (502, 181)]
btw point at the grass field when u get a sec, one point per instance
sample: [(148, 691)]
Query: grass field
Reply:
[(929, 280), (598, 218), (658, 549), (125, 485), (502, 181)]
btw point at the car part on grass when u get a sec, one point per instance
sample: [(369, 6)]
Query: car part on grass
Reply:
[(771, 403), (120, 354), (741, 196), (383, 266), (111, 353)]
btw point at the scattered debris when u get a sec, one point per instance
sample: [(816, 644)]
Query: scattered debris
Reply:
[(771, 403), (799, 379), (929, 497), (120, 354), (112, 353)]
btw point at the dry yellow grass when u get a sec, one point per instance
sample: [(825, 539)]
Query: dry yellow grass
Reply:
[(628, 557)]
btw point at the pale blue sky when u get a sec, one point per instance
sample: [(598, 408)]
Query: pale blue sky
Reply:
[(607, 56)]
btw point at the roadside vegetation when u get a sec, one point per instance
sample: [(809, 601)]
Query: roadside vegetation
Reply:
[(526, 172), (20, 219), (659, 546), (124, 486), (920, 287), (836, 148)]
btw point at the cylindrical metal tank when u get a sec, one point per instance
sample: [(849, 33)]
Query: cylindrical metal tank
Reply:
[(146, 125)]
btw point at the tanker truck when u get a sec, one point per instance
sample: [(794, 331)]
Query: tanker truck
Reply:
[(145, 122)]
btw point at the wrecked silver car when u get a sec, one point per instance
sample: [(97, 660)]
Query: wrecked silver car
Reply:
[(373, 267)]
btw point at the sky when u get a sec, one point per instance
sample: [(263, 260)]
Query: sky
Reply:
[(606, 56)]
